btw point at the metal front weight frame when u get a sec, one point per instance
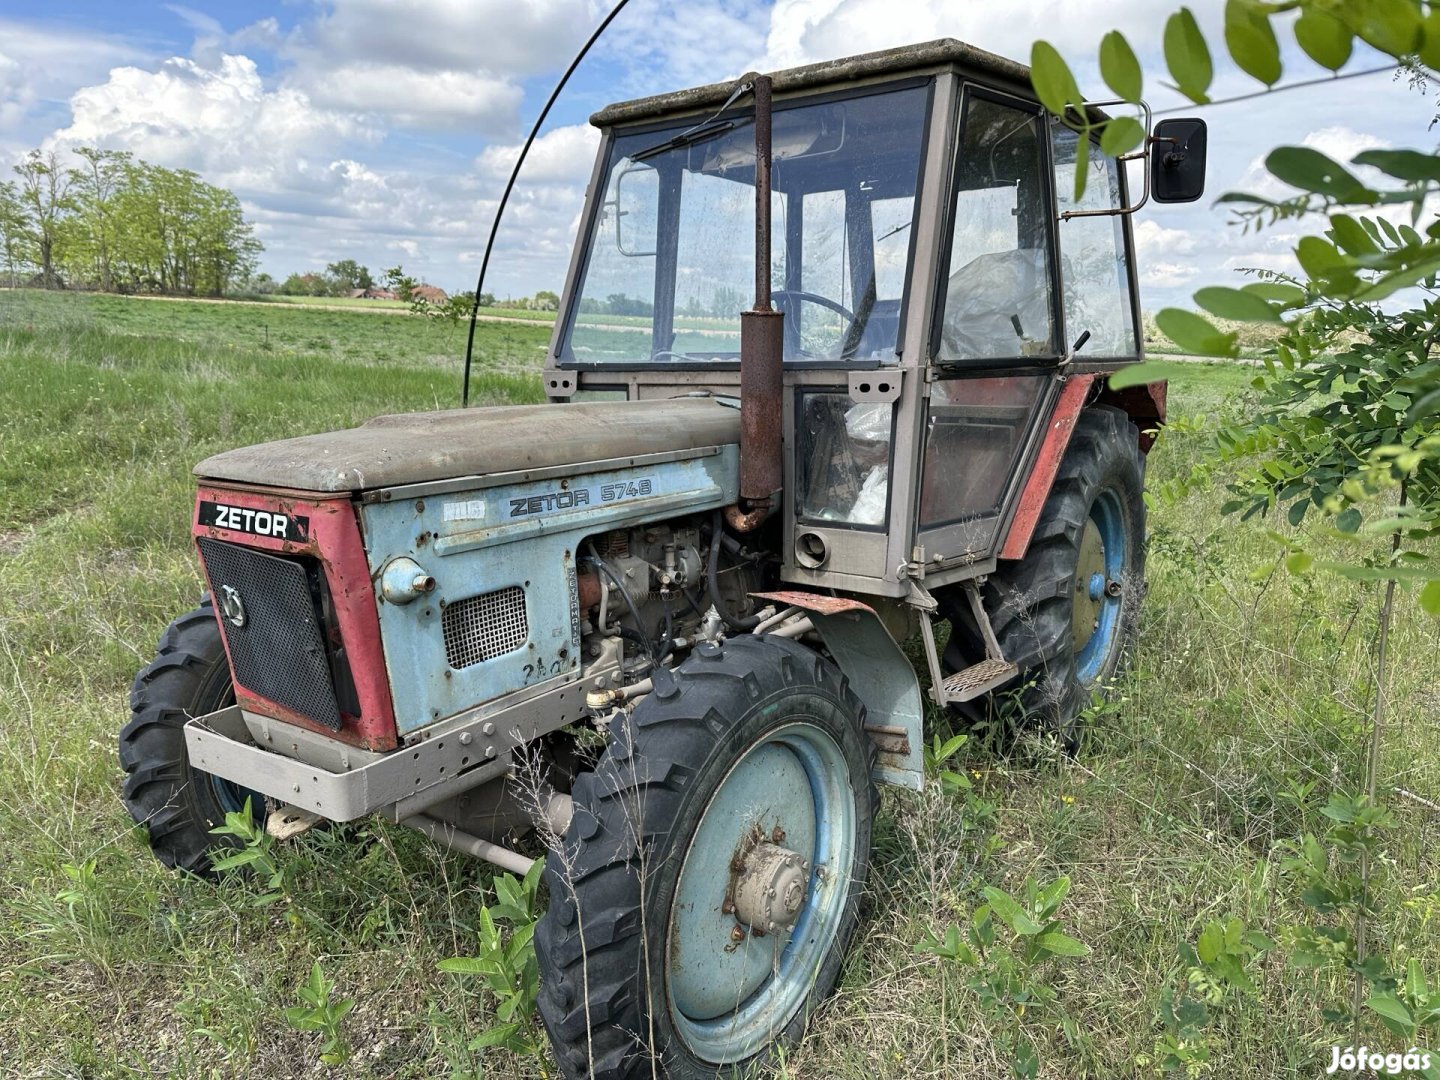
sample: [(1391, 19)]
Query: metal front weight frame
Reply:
[(342, 783)]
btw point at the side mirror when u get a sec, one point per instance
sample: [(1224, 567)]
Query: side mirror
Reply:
[(1177, 160)]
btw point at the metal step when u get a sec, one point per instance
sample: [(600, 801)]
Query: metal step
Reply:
[(977, 679)]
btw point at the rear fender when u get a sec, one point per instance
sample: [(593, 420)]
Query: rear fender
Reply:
[(880, 675)]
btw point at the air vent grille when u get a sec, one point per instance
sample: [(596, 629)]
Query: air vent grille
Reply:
[(483, 627)]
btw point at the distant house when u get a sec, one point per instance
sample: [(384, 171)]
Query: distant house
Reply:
[(372, 294), (431, 293)]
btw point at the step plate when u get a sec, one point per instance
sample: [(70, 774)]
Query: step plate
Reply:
[(975, 680)]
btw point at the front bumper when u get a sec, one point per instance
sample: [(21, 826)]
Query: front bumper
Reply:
[(341, 782)]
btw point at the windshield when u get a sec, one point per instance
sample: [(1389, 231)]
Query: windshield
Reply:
[(670, 261)]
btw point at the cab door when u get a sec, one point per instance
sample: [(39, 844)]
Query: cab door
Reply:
[(997, 343)]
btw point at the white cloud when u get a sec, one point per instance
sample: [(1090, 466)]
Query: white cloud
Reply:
[(802, 31), (220, 121), (434, 64), (461, 100), (562, 156)]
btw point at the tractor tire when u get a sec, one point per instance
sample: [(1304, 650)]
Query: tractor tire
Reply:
[(177, 803), (748, 745), (1066, 613)]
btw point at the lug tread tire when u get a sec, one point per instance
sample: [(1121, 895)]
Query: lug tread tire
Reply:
[(188, 677), (654, 758)]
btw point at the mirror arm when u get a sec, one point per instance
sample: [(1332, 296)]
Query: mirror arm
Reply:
[(1134, 155)]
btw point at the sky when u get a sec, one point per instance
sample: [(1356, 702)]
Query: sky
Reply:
[(384, 130)]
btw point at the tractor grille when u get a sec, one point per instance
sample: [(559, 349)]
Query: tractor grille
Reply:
[(483, 627), (278, 648)]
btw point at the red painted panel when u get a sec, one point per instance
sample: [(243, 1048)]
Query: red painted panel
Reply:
[(1047, 464), (335, 541)]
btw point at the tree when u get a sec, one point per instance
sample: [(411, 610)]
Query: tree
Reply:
[(545, 300), (401, 283), (348, 274), (96, 188), (12, 231), (1348, 424), (45, 200)]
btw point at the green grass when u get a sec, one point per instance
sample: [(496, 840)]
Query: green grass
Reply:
[(1243, 685)]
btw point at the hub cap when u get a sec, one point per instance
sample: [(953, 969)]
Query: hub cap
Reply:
[(761, 893), (1099, 586)]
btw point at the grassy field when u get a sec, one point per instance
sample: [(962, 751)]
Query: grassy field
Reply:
[(1246, 708)]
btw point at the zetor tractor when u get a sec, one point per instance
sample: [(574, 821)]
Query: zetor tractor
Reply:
[(658, 620)]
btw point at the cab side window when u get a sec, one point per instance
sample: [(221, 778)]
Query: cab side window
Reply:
[(996, 300), (1093, 267)]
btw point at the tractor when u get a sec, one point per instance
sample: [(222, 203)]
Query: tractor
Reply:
[(654, 626)]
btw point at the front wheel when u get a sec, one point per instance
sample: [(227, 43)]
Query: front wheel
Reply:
[(177, 803), (704, 893)]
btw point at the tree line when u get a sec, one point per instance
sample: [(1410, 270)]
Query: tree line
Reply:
[(116, 223)]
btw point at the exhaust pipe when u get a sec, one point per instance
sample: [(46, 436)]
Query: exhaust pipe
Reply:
[(762, 347)]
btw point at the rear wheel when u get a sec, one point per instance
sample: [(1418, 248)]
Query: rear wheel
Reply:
[(1066, 612), (177, 803), (703, 896)]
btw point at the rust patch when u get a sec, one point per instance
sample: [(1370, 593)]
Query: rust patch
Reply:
[(816, 602)]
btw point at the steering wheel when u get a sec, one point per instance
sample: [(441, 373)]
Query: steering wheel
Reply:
[(782, 297)]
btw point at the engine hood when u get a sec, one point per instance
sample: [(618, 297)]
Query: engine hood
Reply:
[(414, 448)]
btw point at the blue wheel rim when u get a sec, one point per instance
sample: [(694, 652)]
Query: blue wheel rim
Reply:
[(230, 796), (728, 1003), (1106, 524)]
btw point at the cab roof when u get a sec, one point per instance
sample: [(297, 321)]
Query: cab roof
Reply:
[(945, 52)]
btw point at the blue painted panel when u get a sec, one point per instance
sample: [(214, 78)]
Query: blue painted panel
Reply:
[(526, 535)]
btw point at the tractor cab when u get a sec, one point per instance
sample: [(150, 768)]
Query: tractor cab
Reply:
[(936, 294)]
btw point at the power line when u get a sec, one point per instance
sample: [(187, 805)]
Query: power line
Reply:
[(1323, 80)]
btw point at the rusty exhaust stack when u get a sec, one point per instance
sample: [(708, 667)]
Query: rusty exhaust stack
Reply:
[(762, 346)]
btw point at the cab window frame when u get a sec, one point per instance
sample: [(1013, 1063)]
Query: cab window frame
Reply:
[(968, 92), (564, 358)]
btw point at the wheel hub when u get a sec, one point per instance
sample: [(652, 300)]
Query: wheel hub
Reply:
[(770, 891)]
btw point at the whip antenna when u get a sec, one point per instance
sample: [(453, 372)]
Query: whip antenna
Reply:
[(510, 186)]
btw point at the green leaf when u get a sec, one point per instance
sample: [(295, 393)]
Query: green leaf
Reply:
[(1014, 915), (1392, 26), (1277, 291), (1320, 258), (1121, 135), (1299, 562), (1062, 944), (1402, 164), (1430, 599), (1054, 84), (469, 965), (1430, 49), (1251, 41), (1196, 334), (1187, 56), (1119, 67), (498, 1035), (1391, 1008), (1310, 170), (1348, 521), (1324, 38), (1351, 235), (1235, 304), (1153, 371)]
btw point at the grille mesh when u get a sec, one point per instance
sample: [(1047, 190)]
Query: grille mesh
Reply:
[(483, 627), (279, 650)]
